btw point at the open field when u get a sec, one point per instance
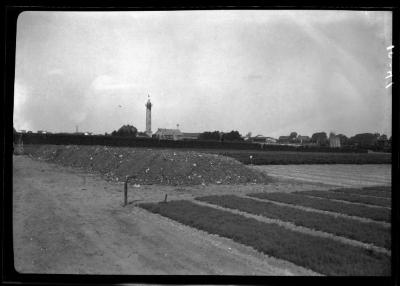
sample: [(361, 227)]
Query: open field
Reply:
[(354, 198), (378, 214), (374, 233), (319, 254), (336, 175), (68, 219), (293, 157)]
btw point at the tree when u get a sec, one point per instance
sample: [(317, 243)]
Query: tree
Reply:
[(365, 140), (293, 135), (214, 136), (233, 136), (320, 138), (126, 131), (344, 140)]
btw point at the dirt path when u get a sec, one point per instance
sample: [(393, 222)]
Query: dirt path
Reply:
[(67, 221)]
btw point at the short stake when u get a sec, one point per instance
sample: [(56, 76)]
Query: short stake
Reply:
[(126, 192), (165, 199)]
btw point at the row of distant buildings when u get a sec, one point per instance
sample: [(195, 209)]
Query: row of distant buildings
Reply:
[(176, 134), (299, 140)]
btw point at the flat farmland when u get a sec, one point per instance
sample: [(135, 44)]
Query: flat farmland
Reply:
[(68, 218), (338, 175), (323, 255)]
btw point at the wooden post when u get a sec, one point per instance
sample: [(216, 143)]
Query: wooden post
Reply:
[(165, 199), (126, 192)]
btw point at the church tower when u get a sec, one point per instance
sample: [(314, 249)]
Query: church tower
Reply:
[(148, 117)]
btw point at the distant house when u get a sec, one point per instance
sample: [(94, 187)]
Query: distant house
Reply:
[(284, 139), (303, 139), (22, 131), (190, 136), (41, 132), (142, 135), (258, 139), (263, 139), (168, 134), (270, 140), (334, 141)]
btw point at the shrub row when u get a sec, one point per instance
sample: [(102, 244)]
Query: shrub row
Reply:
[(72, 139)]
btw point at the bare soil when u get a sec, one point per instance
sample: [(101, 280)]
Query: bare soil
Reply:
[(69, 221)]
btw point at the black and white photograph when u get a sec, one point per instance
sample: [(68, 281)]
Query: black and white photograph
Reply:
[(224, 142)]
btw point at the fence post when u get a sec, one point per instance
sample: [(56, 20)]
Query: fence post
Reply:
[(126, 191)]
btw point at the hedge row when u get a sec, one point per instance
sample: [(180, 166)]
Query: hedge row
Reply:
[(71, 139)]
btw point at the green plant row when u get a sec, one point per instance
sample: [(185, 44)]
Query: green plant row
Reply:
[(354, 198), (368, 232), (378, 214), (322, 255), (377, 191)]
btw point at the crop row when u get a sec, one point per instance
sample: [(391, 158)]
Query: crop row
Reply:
[(368, 232), (322, 255), (375, 192), (378, 214), (355, 198)]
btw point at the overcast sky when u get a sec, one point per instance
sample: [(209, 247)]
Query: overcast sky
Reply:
[(268, 72)]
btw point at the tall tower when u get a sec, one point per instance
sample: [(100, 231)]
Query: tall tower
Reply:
[(148, 117)]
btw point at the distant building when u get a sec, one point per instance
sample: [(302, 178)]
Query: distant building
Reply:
[(334, 141), (22, 131), (190, 136), (303, 139), (258, 139), (284, 139), (263, 139), (148, 117), (41, 132), (168, 134), (142, 135), (270, 140)]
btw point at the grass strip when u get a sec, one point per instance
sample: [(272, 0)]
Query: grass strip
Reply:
[(378, 214), (363, 191), (373, 233), (322, 255), (354, 198), (379, 188)]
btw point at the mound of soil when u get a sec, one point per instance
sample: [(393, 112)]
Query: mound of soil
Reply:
[(150, 166)]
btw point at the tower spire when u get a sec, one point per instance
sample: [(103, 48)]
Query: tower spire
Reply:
[(148, 116)]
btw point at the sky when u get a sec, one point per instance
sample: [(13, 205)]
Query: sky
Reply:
[(265, 72)]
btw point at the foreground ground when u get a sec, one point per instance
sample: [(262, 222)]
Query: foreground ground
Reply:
[(70, 221), (67, 221)]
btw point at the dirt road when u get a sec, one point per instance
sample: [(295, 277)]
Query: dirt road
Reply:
[(67, 221)]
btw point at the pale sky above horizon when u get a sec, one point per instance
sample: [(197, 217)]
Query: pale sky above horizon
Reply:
[(265, 72)]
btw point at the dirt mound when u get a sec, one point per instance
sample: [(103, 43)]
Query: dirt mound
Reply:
[(150, 166)]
